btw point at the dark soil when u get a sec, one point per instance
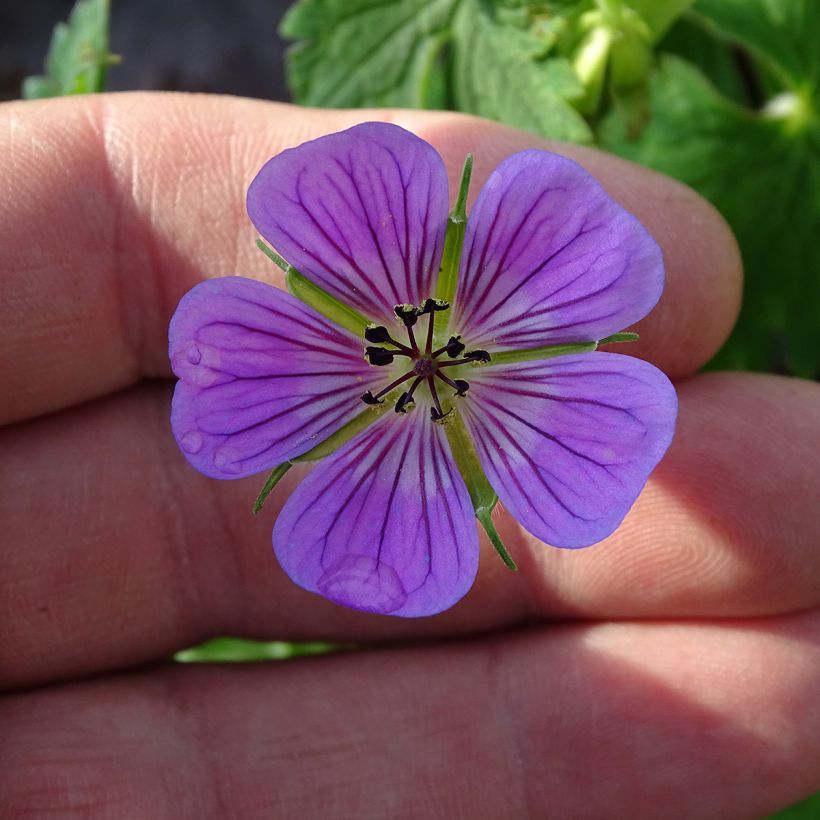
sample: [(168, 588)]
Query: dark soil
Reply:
[(223, 46)]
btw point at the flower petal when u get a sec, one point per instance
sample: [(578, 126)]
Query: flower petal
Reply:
[(362, 213), (263, 377), (385, 524), (550, 258), (568, 443)]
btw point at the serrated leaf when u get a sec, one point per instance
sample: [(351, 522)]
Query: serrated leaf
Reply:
[(367, 52), (78, 55), (499, 73), (434, 54), (762, 171)]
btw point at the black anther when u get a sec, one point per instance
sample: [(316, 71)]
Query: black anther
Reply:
[(436, 415), (405, 400), (407, 313), (369, 398), (461, 387), (378, 355), (477, 356), (432, 305), (377, 334), (455, 347)]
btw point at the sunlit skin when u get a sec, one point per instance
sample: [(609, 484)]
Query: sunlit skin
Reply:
[(670, 671)]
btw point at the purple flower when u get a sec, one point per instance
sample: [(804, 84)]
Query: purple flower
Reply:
[(440, 384)]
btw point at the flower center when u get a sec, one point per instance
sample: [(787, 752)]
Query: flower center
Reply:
[(425, 364)]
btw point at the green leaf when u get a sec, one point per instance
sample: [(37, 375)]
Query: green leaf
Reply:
[(471, 55), (659, 14), (78, 56), (714, 57), (782, 33), (808, 809), (242, 650), (499, 72), (762, 171), (367, 52)]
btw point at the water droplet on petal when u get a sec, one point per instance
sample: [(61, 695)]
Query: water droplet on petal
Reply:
[(191, 442), (225, 460), (194, 354)]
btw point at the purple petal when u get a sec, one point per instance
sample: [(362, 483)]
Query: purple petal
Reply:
[(263, 377), (550, 258), (361, 213), (568, 443), (385, 524)]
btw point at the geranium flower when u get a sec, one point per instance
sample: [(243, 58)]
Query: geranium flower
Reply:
[(431, 376)]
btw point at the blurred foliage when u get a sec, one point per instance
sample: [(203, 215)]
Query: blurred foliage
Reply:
[(721, 94), (749, 141), (78, 57), (808, 809), (240, 650)]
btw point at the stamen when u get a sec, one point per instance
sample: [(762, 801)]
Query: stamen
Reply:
[(453, 348), (407, 313), (432, 305), (436, 413), (381, 334), (474, 356), (369, 398), (377, 334), (379, 356), (425, 364), (460, 385), (407, 398)]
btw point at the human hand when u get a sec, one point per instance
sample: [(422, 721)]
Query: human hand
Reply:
[(670, 671)]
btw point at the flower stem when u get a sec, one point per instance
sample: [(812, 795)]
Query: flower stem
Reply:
[(313, 296), (454, 238)]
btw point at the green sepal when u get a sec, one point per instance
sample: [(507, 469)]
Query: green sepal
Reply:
[(482, 495), (485, 519), (454, 238), (619, 337), (273, 479), (344, 433), (322, 449), (313, 296), (529, 354)]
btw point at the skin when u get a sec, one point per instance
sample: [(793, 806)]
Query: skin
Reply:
[(670, 671)]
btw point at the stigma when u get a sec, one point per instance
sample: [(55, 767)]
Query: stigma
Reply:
[(425, 366)]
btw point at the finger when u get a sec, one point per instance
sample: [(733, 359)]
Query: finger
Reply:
[(516, 726), (116, 552), (148, 198)]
